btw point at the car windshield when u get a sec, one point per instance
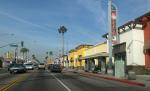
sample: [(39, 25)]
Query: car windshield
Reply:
[(28, 64), (17, 65), (74, 45), (56, 66)]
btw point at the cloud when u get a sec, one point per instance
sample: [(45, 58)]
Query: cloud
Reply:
[(142, 6), (18, 19), (95, 7)]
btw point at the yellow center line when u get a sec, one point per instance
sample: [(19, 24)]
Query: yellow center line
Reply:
[(13, 82)]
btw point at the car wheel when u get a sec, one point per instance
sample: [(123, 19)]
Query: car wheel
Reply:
[(10, 72)]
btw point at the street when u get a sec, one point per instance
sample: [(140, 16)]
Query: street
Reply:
[(43, 80)]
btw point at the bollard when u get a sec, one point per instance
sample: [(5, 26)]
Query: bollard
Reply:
[(131, 75)]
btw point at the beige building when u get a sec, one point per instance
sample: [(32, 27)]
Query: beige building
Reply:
[(96, 57)]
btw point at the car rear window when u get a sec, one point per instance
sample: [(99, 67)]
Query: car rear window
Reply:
[(41, 63)]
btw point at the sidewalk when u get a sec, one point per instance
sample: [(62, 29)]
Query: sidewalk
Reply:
[(141, 80), (3, 70)]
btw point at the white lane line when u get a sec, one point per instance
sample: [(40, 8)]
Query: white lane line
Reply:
[(68, 89)]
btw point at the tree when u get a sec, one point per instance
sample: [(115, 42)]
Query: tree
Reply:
[(50, 53), (35, 59), (62, 30)]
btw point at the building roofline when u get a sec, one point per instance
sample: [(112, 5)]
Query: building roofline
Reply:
[(144, 15), (97, 45), (135, 21), (82, 45), (72, 50), (126, 24)]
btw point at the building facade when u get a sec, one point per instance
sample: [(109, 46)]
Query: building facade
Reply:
[(76, 56), (95, 58), (131, 41), (145, 21), (71, 58), (128, 52)]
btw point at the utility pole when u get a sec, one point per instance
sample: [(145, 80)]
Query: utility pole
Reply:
[(109, 69), (63, 47)]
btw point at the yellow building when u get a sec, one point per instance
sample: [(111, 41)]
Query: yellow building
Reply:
[(76, 56), (9, 55), (71, 58), (49, 61)]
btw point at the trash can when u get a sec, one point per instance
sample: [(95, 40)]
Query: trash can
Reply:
[(131, 75)]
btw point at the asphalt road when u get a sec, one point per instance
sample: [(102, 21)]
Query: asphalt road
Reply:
[(42, 80)]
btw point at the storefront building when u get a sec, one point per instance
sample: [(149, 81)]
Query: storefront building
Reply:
[(71, 58), (95, 58), (129, 51), (145, 21), (80, 54), (76, 56)]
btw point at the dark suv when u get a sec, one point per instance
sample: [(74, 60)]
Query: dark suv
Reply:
[(56, 68)]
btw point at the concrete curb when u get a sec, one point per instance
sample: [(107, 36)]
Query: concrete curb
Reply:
[(111, 78)]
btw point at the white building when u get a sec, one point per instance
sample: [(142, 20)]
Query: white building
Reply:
[(129, 50), (133, 36)]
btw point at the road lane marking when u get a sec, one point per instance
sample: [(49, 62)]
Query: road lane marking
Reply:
[(66, 87), (14, 82)]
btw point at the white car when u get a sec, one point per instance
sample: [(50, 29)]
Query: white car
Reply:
[(41, 66), (29, 66)]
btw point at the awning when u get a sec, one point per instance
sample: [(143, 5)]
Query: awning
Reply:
[(147, 44), (96, 55), (119, 48)]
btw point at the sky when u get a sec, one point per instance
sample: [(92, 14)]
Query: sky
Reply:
[(36, 22)]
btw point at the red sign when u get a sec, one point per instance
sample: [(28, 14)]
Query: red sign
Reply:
[(113, 22)]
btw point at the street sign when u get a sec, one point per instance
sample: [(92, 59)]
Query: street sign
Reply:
[(13, 45)]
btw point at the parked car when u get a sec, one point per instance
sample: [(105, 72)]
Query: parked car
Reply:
[(17, 68), (35, 66), (29, 66), (10, 66), (41, 66), (56, 68)]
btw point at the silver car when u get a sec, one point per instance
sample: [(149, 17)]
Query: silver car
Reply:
[(17, 68)]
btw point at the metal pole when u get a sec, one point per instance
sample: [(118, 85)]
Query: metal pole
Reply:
[(63, 47), (109, 70), (16, 54)]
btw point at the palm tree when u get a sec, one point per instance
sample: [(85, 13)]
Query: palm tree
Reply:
[(62, 30), (35, 59), (24, 51), (50, 54), (33, 56)]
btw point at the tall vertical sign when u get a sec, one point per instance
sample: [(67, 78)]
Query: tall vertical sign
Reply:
[(113, 24), (112, 38)]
